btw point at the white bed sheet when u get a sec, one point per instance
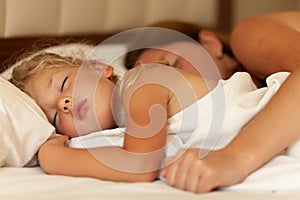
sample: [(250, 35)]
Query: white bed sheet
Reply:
[(278, 180), (31, 183)]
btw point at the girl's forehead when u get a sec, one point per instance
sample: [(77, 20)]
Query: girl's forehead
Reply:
[(32, 87), (56, 68)]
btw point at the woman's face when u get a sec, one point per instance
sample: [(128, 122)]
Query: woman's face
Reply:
[(173, 59), (73, 103), (189, 56)]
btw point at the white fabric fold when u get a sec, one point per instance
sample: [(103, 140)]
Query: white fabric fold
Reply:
[(242, 101), (280, 174)]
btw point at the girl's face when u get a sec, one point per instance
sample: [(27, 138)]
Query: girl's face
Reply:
[(73, 103)]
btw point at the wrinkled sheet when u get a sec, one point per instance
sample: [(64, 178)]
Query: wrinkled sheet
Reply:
[(278, 180)]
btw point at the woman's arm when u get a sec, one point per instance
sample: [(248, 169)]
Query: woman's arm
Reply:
[(263, 44), (273, 129), (268, 43)]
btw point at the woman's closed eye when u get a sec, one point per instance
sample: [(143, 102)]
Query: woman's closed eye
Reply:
[(175, 63), (173, 60)]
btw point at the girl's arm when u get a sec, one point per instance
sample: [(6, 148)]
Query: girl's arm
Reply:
[(140, 158), (268, 43), (266, 135), (105, 163)]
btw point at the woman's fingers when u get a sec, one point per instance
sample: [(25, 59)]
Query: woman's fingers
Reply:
[(207, 179), (178, 169), (193, 177), (186, 171), (184, 168)]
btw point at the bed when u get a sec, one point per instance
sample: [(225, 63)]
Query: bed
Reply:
[(96, 20)]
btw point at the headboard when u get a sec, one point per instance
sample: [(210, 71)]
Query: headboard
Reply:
[(24, 21)]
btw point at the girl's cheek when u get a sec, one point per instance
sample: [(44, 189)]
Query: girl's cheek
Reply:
[(67, 127)]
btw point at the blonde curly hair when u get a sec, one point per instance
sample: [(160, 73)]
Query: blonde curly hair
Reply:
[(29, 68)]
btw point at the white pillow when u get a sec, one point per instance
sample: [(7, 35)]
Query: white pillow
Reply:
[(23, 127)]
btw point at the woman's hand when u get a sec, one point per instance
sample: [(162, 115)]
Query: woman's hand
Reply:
[(187, 171)]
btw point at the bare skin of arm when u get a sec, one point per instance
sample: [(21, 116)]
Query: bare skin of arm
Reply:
[(149, 104), (57, 159), (272, 39), (139, 159), (264, 45), (270, 132)]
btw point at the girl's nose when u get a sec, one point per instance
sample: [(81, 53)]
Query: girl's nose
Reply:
[(65, 104)]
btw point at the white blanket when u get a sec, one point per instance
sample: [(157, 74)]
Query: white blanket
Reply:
[(280, 174), (110, 137), (242, 102), (235, 99)]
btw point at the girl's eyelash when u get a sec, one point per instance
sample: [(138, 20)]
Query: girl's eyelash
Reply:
[(61, 90), (54, 120), (63, 84)]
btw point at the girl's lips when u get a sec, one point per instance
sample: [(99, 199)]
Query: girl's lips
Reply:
[(80, 109)]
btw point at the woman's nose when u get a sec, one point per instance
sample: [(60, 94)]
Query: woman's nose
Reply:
[(65, 104)]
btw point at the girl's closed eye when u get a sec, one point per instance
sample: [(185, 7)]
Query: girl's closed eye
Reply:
[(61, 90), (54, 120), (63, 84)]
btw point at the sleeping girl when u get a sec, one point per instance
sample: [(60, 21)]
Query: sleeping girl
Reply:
[(152, 101)]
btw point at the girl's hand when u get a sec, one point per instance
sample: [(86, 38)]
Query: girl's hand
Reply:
[(187, 171), (58, 140), (51, 144), (48, 151)]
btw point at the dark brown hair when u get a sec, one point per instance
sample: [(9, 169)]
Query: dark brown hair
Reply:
[(189, 29)]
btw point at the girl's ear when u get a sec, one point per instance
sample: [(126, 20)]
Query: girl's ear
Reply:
[(210, 41), (109, 71)]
